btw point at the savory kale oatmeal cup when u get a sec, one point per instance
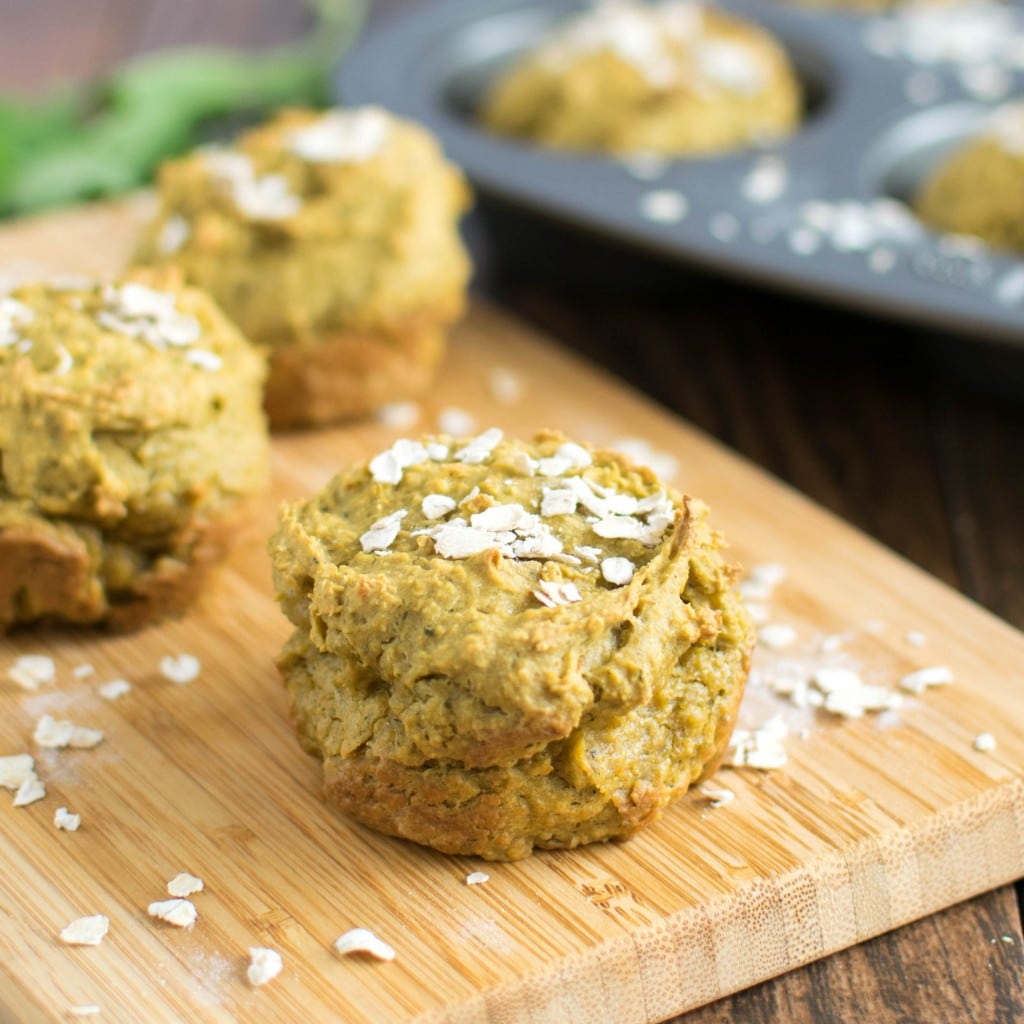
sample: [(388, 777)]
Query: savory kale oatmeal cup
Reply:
[(131, 429), (332, 239), (625, 77), (979, 188), (503, 645)]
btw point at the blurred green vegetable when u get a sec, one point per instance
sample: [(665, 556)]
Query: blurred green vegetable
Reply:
[(72, 147)]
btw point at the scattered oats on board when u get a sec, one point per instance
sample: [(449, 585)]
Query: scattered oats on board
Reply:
[(831, 643), (183, 884), (181, 913), (30, 791), (83, 671), (456, 422), (847, 695), (53, 734), (984, 742), (15, 769), (761, 580), (181, 670), (925, 678), (777, 635), (398, 415), (18, 772), (915, 638), (362, 940), (717, 796), (30, 671), (760, 748), (477, 878), (264, 965), (85, 1010), (86, 931), (115, 689), (505, 386), (65, 820)]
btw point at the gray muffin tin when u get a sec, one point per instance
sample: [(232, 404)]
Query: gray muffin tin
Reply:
[(819, 214)]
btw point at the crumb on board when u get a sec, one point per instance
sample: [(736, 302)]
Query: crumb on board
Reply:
[(984, 742), (925, 678), (115, 689), (831, 643), (181, 669), (264, 965), (398, 415), (761, 581), (505, 385), (362, 940), (181, 913), (183, 884), (455, 421), (776, 635), (30, 671), (66, 821), (760, 748), (85, 931), (477, 878), (716, 796), (31, 790), (54, 734), (15, 769)]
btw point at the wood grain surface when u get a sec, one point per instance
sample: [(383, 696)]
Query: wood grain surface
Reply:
[(872, 824), (914, 438)]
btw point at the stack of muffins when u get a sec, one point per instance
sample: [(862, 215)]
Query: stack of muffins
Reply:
[(131, 430), (502, 646), (331, 239)]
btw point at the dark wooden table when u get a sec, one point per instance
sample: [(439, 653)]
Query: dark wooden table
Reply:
[(916, 439)]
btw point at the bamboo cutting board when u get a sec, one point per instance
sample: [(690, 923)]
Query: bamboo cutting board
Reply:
[(872, 822)]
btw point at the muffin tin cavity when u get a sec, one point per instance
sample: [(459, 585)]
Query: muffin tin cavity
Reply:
[(822, 213)]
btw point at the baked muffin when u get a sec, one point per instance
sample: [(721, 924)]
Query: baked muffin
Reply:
[(131, 427), (503, 645), (332, 239), (626, 77), (979, 189)]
